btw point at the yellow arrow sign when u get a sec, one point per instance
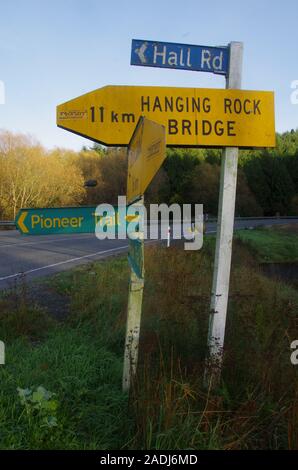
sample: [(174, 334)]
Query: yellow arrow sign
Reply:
[(130, 218), (192, 117), (146, 153), (21, 222)]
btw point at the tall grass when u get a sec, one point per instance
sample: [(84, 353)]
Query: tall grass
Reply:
[(80, 360), (255, 404)]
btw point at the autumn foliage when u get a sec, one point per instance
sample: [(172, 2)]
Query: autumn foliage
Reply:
[(31, 176)]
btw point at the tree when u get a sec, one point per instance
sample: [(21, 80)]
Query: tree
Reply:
[(179, 166), (89, 164), (32, 177), (205, 186), (113, 167), (271, 183), (246, 204)]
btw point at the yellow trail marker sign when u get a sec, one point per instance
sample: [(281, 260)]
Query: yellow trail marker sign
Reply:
[(195, 117), (146, 153)]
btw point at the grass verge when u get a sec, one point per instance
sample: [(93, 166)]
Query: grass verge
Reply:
[(79, 361), (274, 244)]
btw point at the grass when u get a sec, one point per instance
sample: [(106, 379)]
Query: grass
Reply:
[(277, 244), (85, 377), (79, 360)]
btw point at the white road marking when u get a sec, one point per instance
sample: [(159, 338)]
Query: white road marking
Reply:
[(51, 240), (63, 262)]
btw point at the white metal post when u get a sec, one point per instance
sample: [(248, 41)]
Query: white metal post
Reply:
[(134, 314), (224, 237)]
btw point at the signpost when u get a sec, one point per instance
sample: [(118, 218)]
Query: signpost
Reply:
[(146, 153), (195, 117), (180, 56), (56, 220), (224, 238), (229, 110), (134, 307), (228, 118)]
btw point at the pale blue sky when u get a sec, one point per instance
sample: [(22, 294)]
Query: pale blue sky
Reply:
[(53, 51)]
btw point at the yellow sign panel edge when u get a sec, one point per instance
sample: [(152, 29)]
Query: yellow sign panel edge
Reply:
[(138, 125), (168, 88), (143, 121), (134, 134)]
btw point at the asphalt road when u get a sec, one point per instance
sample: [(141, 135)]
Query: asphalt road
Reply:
[(37, 256)]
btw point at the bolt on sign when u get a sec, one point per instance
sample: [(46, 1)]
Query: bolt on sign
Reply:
[(192, 117), (146, 153)]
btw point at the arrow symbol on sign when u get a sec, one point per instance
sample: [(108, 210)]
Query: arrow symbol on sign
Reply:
[(21, 221), (140, 52), (129, 218)]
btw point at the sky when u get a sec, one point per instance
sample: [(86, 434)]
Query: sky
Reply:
[(54, 50)]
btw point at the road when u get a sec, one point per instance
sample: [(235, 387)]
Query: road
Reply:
[(37, 256)]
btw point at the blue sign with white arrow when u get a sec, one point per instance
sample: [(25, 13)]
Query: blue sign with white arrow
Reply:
[(180, 56)]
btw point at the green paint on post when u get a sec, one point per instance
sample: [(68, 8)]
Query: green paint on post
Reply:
[(136, 257)]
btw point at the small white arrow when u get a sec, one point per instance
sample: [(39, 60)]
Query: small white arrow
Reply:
[(141, 51)]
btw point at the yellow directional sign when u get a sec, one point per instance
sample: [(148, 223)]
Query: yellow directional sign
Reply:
[(195, 117), (146, 153)]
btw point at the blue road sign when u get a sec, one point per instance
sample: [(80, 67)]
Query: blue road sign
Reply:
[(180, 56)]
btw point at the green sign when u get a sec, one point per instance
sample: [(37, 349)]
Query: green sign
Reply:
[(55, 220)]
